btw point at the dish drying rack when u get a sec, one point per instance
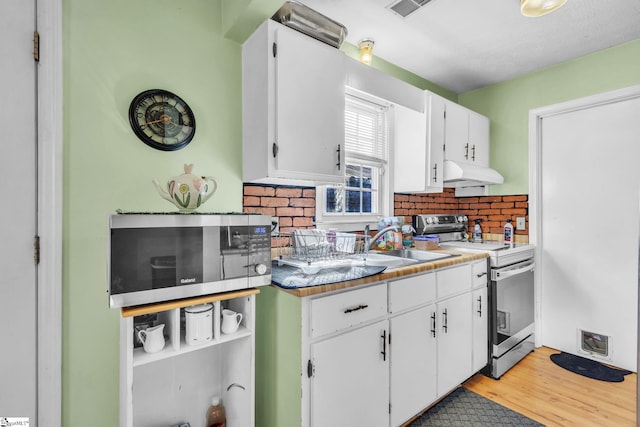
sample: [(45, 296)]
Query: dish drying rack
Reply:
[(313, 250)]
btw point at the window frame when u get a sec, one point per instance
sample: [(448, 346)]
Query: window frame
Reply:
[(353, 221)]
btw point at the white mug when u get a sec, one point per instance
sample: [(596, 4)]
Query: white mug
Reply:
[(230, 321)]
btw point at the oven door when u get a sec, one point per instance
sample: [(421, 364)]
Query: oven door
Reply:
[(512, 296)]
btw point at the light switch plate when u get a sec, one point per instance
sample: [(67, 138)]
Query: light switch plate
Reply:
[(520, 223)]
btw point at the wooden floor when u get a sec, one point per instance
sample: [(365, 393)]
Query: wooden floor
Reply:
[(553, 396)]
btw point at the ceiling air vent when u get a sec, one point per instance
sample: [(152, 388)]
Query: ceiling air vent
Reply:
[(405, 8)]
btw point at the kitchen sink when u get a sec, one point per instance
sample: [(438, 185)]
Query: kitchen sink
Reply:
[(403, 257), (419, 256), (374, 258)]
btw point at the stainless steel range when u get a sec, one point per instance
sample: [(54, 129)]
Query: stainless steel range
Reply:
[(511, 293)]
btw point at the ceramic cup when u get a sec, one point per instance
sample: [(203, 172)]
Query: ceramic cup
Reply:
[(230, 321)]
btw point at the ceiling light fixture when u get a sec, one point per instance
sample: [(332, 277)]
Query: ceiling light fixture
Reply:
[(535, 8), (366, 51)]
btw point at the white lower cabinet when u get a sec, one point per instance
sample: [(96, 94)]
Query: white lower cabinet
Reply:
[(454, 342), (375, 355), (480, 329), (176, 384), (413, 363), (350, 384)]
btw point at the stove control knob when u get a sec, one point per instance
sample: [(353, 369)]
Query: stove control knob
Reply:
[(261, 269), (463, 219), (436, 220), (429, 220)]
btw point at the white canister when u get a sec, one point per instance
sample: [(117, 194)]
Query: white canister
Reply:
[(199, 324)]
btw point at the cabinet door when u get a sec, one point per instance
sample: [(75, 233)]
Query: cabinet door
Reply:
[(480, 329), (411, 157), (436, 108), (350, 383), (413, 363), (479, 139), (454, 342), (457, 133), (310, 78)]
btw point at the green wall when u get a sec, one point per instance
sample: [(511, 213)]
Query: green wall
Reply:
[(112, 51), (400, 73), (507, 104)]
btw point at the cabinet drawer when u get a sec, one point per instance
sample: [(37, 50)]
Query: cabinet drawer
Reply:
[(336, 312), (479, 274), (411, 292), (453, 280)]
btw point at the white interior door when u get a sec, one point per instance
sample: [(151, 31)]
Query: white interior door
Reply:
[(588, 249), (18, 214)]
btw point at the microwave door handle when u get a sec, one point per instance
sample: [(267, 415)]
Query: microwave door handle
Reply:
[(502, 275), (222, 266)]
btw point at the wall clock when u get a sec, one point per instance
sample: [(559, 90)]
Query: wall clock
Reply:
[(162, 120)]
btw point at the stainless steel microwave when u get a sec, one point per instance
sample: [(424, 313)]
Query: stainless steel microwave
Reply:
[(161, 257)]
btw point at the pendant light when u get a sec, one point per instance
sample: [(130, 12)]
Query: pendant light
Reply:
[(535, 8), (366, 51)]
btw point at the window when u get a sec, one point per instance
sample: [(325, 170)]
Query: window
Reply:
[(363, 196)]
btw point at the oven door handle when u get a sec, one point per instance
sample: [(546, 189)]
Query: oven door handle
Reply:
[(502, 275)]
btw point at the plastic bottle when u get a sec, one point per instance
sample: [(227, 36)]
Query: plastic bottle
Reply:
[(477, 231), (215, 414), (508, 233)]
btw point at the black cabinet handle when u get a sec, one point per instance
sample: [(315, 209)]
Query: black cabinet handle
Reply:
[(433, 324), (384, 345), (352, 309), (338, 151), (480, 306), (444, 320)]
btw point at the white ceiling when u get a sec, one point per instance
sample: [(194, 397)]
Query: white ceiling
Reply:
[(463, 45)]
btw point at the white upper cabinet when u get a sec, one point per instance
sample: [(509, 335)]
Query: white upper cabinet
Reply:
[(466, 136), (293, 107), (479, 139), (419, 144), (410, 153)]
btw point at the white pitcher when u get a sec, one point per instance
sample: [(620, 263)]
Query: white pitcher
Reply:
[(230, 321), (152, 338)]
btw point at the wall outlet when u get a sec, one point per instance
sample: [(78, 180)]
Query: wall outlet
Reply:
[(520, 223)]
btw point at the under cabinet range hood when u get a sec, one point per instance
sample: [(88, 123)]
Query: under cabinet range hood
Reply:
[(465, 175)]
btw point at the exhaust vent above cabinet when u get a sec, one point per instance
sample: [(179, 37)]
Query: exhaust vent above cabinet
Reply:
[(405, 8)]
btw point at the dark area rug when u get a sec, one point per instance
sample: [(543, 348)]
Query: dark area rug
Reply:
[(588, 368), (464, 408)]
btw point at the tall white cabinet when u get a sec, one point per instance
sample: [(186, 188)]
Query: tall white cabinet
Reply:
[(176, 384), (293, 107)]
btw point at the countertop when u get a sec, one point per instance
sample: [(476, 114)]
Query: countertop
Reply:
[(393, 273)]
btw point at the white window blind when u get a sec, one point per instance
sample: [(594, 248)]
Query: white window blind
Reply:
[(365, 130)]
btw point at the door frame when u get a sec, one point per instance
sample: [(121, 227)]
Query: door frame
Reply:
[(535, 171), (49, 181)]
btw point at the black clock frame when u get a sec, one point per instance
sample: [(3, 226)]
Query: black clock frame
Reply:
[(139, 132)]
